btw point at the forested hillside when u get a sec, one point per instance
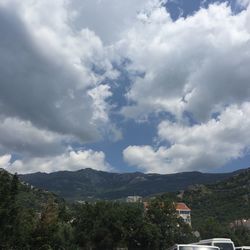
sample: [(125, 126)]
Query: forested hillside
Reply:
[(26, 214), (215, 206), (34, 219)]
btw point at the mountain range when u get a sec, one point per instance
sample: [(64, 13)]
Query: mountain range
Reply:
[(89, 184)]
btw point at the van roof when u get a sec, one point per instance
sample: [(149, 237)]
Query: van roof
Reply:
[(216, 239), (193, 245)]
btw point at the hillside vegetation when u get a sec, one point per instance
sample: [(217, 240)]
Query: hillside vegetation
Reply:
[(27, 196), (43, 223), (215, 206), (225, 201)]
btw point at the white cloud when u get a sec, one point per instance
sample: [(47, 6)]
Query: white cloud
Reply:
[(46, 68), (107, 18), (21, 137), (50, 95), (197, 64), (70, 160), (199, 147), (99, 95), (5, 161)]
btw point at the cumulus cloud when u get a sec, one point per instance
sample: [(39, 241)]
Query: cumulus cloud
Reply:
[(195, 67), (5, 161), (197, 64), (70, 160), (50, 94), (108, 18), (99, 95), (21, 137), (46, 68), (199, 147)]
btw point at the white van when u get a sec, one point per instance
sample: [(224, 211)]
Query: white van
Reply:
[(222, 243), (192, 247), (243, 248)]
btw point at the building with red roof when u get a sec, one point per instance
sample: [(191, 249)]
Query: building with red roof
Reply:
[(184, 212)]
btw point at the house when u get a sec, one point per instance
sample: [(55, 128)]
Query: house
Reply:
[(181, 208), (134, 199), (184, 212)]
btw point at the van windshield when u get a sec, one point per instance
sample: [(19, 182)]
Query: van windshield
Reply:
[(224, 246), (197, 248)]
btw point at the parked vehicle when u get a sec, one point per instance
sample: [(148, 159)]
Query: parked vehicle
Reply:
[(222, 243), (192, 247), (243, 248)]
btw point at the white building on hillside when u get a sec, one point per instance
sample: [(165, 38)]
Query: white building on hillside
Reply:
[(183, 211), (133, 199)]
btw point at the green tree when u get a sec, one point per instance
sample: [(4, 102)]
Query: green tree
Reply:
[(211, 228), (241, 236), (161, 213)]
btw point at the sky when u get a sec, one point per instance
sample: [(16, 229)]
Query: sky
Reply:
[(156, 86)]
